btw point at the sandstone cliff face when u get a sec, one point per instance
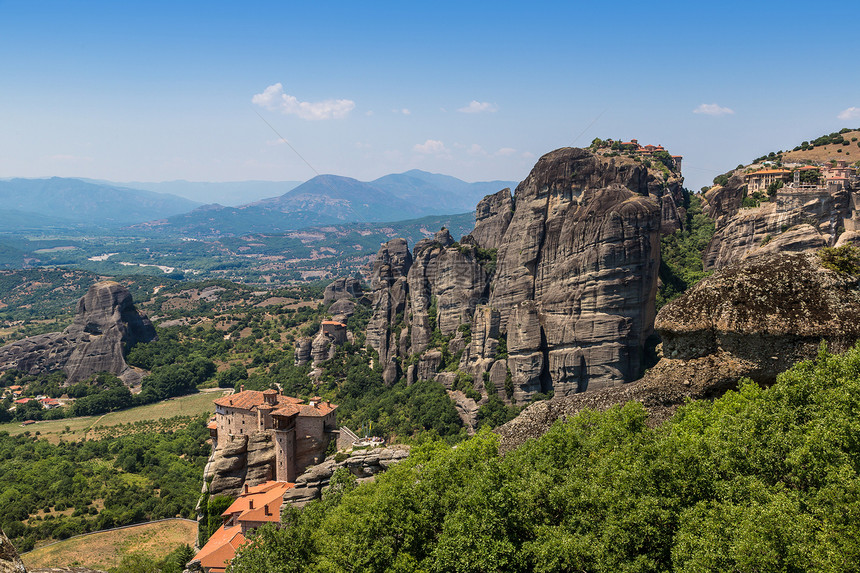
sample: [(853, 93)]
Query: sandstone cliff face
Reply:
[(577, 253), (342, 288), (584, 246), (492, 217), (752, 319), (795, 220), (105, 327), (240, 460)]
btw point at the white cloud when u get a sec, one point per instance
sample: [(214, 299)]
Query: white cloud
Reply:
[(476, 149), (850, 113), (273, 98), (479, 107), (431, 147), (527, 155), (713, 109), (506, 151), (276, 141), (403, 111)]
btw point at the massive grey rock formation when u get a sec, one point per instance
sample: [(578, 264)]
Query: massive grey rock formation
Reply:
[(566, 270), (752, 319), (342, 288), (584, 246), (105, 327)]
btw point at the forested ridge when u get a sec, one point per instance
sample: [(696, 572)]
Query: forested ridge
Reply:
[(758, 480)]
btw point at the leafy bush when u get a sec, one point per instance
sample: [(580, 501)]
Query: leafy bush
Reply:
[(845, 259), (758, 480)]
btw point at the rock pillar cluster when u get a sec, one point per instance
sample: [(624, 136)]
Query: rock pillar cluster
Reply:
[(553, 291)]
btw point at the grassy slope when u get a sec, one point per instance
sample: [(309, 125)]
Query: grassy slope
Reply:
[(823, 153), (89, 426), (104, 549)]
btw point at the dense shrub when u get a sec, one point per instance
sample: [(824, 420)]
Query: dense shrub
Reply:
[(758, 480)]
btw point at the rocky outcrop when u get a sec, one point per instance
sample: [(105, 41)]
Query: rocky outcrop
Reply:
[(364, 465), (303, 350), (10, 561), (342, 310), (584, 246), (771, 311), (240, 460), (572, 285), (492, 217), (753, 319), (796, 219), (342, 288), (105, 327), (722, 201)]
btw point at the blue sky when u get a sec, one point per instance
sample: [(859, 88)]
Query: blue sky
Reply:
[(155, 91)]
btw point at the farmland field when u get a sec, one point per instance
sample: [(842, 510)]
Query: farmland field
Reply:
[(90, 426), (104, 549)]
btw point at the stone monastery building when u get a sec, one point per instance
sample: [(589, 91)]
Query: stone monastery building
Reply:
[(301, 431)]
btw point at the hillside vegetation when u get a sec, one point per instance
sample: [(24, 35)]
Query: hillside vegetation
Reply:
[(758, 480), (150, 470)]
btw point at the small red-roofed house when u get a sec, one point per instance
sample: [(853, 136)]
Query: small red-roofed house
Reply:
[(255, 506)]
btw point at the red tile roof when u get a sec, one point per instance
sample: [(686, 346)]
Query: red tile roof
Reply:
[(320, 409), (250, 399), (267, 499), (220, 548)]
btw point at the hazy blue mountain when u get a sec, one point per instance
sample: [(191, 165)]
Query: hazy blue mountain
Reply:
[(332, 199), (80, 202), (437, 193), (12, 220), (227, 193), (344, 199)]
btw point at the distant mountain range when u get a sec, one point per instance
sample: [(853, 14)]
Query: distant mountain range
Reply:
[(227, 193), (62, 202), (332, 199), (55, 204)]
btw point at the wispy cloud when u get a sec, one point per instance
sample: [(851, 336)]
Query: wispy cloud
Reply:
[(850, 113), (431, 147), (713, 109), (506, 152), (403, 111), (479, 107), (273, 98)]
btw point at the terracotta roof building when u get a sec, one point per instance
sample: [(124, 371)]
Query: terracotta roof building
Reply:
[(301, 431)]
